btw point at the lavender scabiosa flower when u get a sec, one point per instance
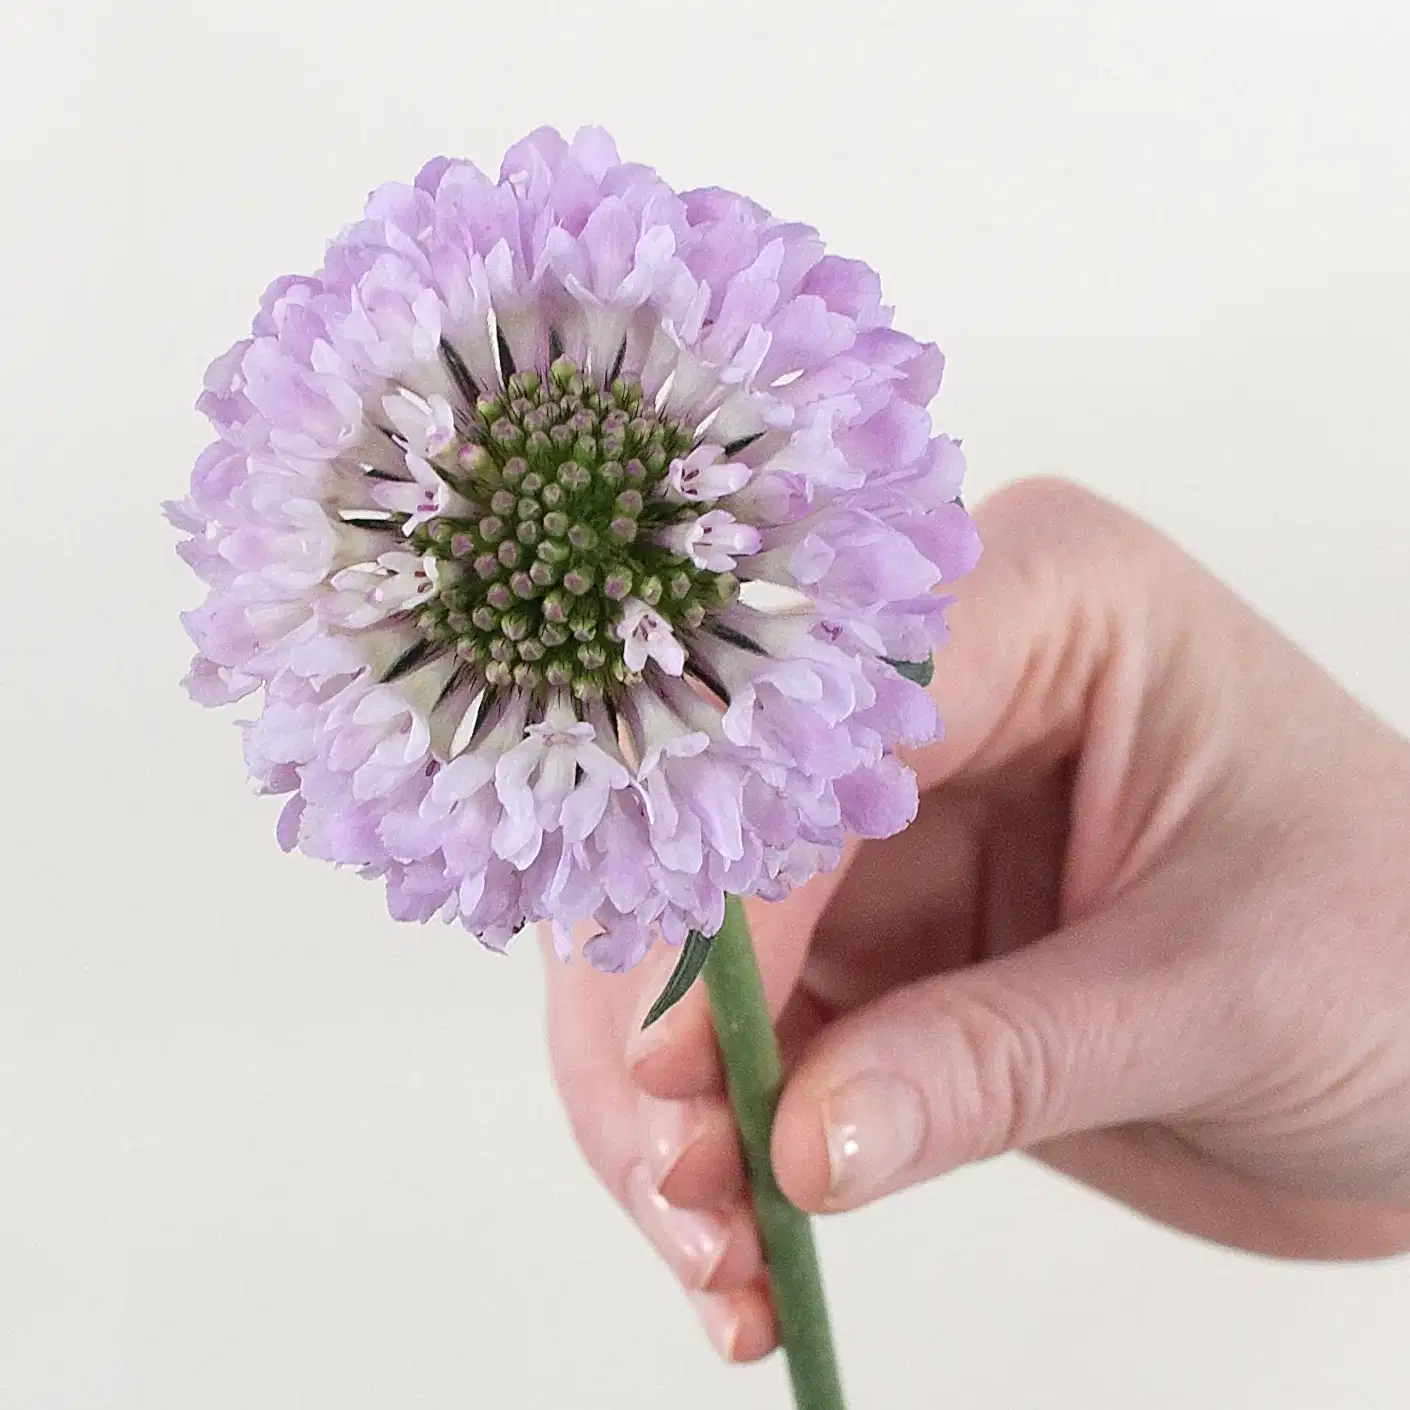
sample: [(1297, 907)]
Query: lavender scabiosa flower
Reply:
[(578, 533)]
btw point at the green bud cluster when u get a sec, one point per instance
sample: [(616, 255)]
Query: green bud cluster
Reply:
[(563, 480)]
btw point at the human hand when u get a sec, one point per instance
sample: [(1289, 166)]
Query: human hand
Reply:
[(1151, 925)]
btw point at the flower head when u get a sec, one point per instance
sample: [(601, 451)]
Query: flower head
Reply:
[(571, 527)]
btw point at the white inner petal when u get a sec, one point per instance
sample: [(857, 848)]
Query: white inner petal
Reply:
[(664, 395), (465, 730), (772, 597)]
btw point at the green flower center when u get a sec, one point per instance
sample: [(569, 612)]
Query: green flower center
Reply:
[(563, 481)]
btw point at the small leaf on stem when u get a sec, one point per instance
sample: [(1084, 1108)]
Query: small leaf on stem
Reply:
[(693, 955), (921, 672)]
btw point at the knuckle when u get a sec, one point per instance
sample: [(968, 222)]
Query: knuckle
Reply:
[(998, 1092), (1065, 525), (1046, 496)]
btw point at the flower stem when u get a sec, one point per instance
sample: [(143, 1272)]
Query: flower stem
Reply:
[(755, 1078)]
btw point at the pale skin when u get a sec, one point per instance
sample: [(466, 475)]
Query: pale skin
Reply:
[(1151, 926)]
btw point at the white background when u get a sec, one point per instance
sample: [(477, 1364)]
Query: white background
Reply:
[(259, 1147)]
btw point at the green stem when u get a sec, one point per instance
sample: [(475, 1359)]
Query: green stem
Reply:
[(755, 1078)]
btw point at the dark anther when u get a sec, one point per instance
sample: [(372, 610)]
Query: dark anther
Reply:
[(410, 659), (735, 638), (458, 677), (617, 363), (506, 358), (742, 444), (459, 373), (372, 519), (709, 680)]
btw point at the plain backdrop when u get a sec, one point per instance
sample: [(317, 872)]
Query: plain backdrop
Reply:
[(261, 1147)]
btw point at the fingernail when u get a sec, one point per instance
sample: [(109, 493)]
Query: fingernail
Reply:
[(693, 1243), (722, 1324), (670, 1132), (641, 1045), (641, 1042), (875, 1125)]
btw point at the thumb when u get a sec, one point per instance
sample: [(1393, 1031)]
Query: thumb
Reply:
[(1073, 1033)]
